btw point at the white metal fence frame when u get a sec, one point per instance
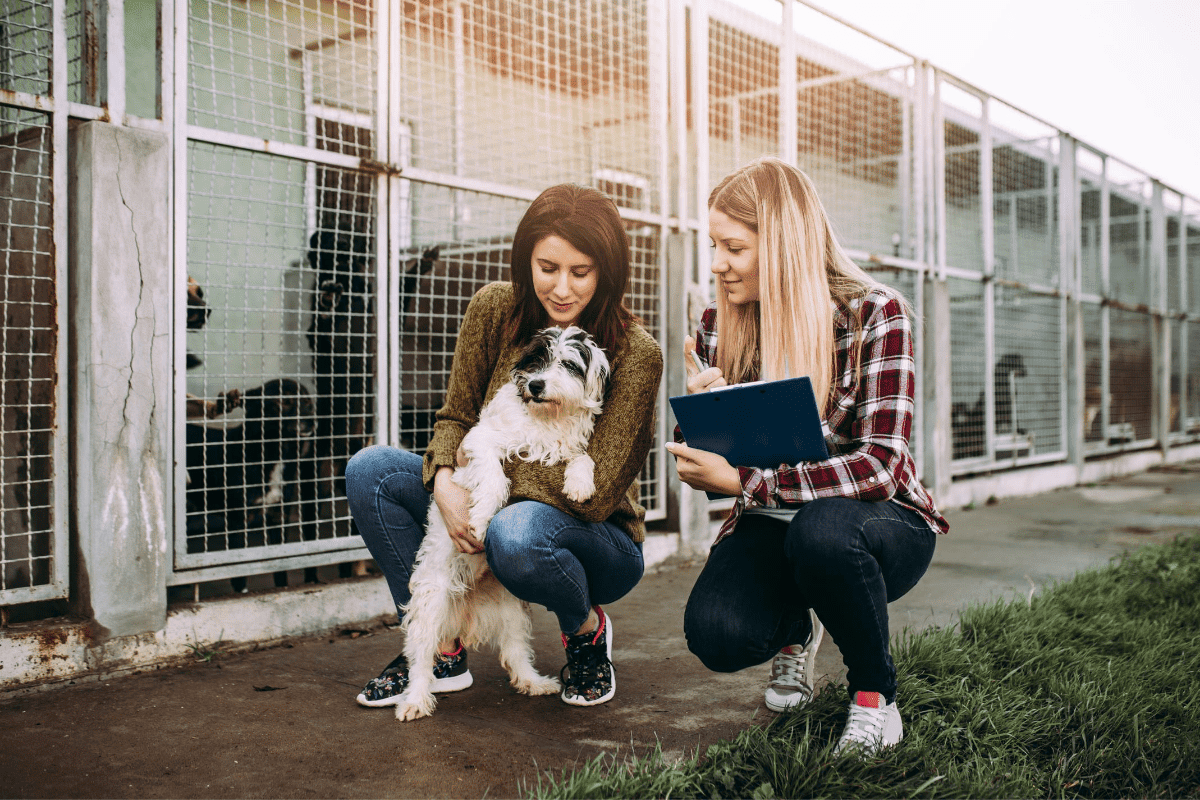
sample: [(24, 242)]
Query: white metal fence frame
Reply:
[(959, 132), (402, 177), (34, 111), (1112, 276)]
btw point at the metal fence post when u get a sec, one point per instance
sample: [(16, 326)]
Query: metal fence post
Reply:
[(1071, 277), (1161, 409)]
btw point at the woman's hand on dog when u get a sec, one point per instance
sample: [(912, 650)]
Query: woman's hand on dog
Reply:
[(454, 501)]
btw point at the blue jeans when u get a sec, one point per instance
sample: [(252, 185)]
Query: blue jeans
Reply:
[(540, 554), (845, 559)]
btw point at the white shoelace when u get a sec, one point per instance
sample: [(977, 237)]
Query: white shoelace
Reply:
[(864, 726), (788, 671)]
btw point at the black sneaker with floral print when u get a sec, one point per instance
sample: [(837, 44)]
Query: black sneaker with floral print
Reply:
[(450, 674), (588, 676)]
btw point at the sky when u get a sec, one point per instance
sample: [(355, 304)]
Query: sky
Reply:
[(1120, 75)]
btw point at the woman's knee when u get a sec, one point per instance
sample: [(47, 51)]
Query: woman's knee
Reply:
[(516, 539), (722, 642), (367, 465)]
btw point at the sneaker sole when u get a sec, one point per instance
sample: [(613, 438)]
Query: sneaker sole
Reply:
[(455, 683), (781, 705), (579, 701)]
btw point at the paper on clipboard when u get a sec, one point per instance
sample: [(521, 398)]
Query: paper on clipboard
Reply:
[(762, 424)]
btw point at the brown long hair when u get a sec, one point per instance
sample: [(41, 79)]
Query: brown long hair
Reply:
[(588, 219), (803, 272)]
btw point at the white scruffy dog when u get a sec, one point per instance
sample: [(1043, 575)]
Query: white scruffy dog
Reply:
[(546, 413)]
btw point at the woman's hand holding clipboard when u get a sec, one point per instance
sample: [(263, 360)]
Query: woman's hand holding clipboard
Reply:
[(760, 424)]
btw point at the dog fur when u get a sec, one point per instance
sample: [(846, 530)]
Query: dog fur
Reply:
[(546, 413), (237, 475)]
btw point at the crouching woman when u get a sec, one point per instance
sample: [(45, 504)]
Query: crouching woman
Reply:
[(812, 545), (570, 266)]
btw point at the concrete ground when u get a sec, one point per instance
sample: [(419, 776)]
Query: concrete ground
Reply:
[(283, 722)]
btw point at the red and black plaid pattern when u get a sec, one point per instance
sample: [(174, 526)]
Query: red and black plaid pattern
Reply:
[(867, 423)]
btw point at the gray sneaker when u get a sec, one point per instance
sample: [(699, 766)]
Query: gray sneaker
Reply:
[(793, 672)]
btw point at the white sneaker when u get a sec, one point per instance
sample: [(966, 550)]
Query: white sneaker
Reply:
[(793, 672), (873, 724)]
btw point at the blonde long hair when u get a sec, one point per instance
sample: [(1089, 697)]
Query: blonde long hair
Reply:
[(802, 274)]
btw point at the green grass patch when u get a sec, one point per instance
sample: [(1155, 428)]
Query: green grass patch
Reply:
[(1092, 689)]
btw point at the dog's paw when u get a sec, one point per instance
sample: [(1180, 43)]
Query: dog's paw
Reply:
[(578, 479), (409, 710), (540, 685)]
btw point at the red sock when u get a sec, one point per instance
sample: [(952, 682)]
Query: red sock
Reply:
[(869, 699)]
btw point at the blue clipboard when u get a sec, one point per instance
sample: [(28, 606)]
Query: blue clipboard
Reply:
[(761, 424)]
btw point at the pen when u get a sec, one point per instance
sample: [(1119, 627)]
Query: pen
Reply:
[(696, 360)]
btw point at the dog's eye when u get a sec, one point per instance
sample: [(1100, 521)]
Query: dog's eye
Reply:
[(575, 368)]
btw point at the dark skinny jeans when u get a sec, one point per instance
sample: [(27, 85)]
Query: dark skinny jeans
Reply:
[(846, 559)]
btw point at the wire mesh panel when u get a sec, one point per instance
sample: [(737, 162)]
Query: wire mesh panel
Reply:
[(518, 95), (529, 93), (29, 345), (280, 345), (1131, 377), (1173, 274), (84, 22), (1094, 373), (961, 133), (282, 334), (25, 46), (743, 97), (968, 370), (1027, 376), (256, 68), (854, 142), (1129, 236), (645, 300), (439, 275), (1091, 277), (1026, 212)]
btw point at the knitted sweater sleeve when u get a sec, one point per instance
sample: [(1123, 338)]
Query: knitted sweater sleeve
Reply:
[(475, 355), (620, 442)]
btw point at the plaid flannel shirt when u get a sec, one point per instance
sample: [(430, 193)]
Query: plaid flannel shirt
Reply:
[(866, 427)]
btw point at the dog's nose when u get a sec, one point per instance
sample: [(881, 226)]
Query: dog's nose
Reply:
[(536, 387)]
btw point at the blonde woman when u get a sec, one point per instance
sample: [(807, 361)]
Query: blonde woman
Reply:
[(812, 545)]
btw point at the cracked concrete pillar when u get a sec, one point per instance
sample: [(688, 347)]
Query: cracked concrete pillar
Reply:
[(120, 302)]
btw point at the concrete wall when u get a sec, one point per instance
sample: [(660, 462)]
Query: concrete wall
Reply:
[(122, 392)]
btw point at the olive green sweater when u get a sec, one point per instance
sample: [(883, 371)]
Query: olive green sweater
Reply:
[(483, 357)]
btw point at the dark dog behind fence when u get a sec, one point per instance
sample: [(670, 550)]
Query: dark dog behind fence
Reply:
[(243, 479), (967, 420)]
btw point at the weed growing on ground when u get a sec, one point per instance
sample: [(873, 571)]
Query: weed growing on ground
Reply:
[(1089, 690), (206, 653)]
